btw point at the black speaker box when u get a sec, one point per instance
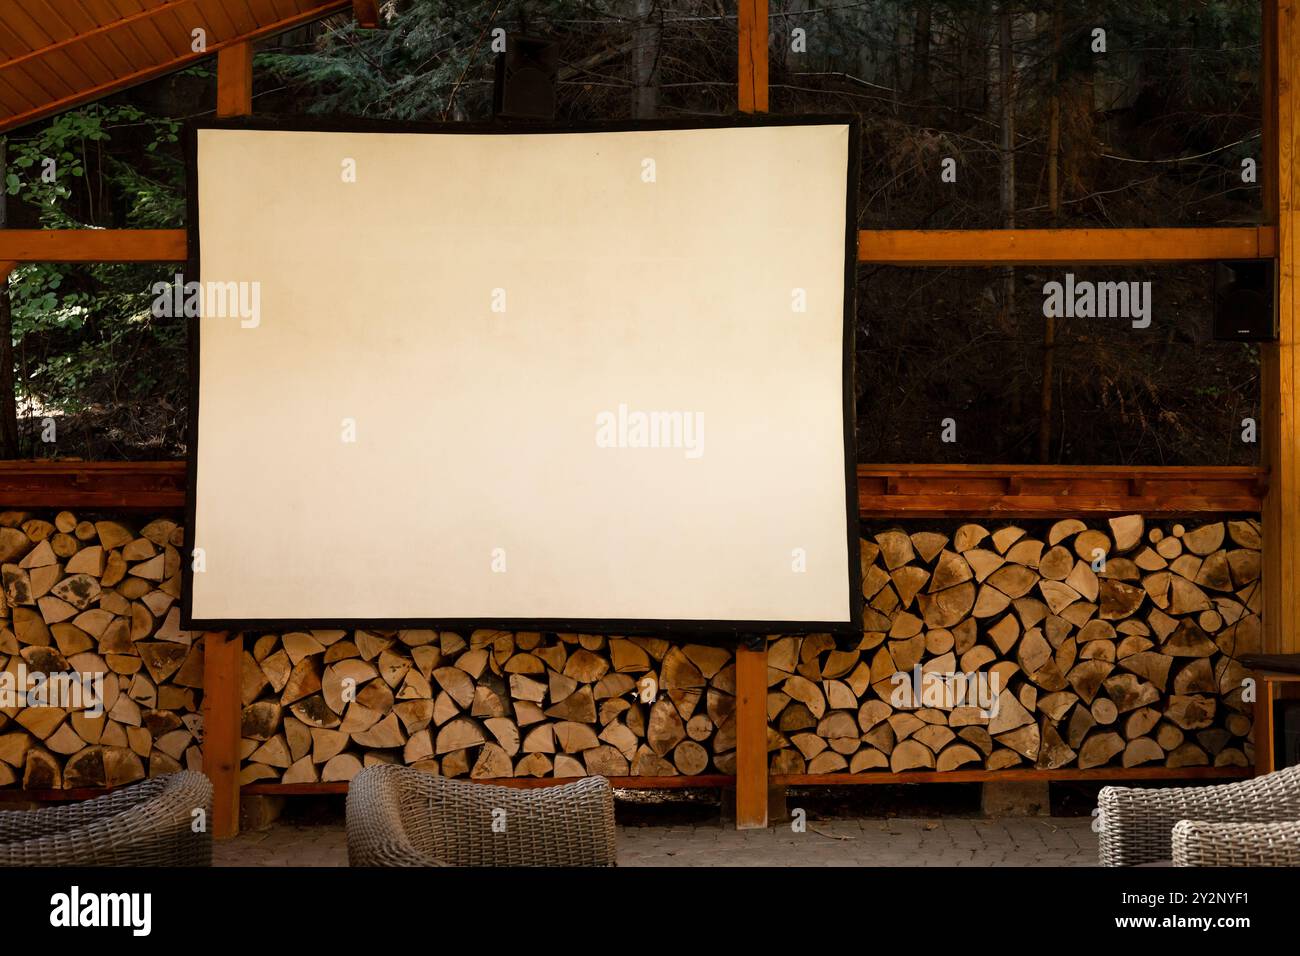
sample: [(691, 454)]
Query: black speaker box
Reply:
[(525, 79), (1245, 300)]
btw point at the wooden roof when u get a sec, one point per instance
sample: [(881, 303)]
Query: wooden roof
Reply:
[(55, 54)]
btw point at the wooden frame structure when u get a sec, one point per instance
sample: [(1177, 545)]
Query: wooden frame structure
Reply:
[(884, 491)]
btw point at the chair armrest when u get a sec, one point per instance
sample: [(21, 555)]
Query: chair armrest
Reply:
[(1198, 843), (147, 824), (1137, 823), (376, 830), (398, 816), (18, 825)]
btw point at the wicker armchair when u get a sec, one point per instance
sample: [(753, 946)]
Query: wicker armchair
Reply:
[(146, 824), (1252, 823), (397, 816)]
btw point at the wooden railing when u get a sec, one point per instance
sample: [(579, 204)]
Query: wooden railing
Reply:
[(898, 247), (917, 491), (1044, 491), (137, 486)]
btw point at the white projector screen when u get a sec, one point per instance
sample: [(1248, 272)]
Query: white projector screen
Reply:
[(589, 379)]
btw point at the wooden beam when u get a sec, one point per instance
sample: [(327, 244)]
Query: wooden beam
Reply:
[(1279, 428), (1044, 506), (181, 59), (1118, 774), (1262, 729), (751, 81), (751, 664), (704, 781), (1045, 491), (918, 490), (751, 738), (93, 245), (152, 485), (1070, 247), (366, 13), (222, 656), (235, 80), (898, 247)]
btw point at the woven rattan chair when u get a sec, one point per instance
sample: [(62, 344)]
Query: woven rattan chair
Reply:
[(1251, 823), (150, 823), (397, 816)]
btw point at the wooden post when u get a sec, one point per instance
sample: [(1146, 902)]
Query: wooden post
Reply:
[(751, 738), (235, 80), (1280, 431), (366, 13), (752, 63), (221, 728), (222, 654), (751, 665)]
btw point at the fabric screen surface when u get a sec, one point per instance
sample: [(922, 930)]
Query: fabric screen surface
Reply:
[(555, 376)]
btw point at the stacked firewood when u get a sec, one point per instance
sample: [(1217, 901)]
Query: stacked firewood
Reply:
[(319, 705), (1111, 645), (95, 599)]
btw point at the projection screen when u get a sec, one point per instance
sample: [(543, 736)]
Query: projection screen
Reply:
[(580, 380)]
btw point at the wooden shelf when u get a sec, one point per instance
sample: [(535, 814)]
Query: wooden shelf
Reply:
[(143, 485), (1045, 491), (1117, 774), (884, 491)]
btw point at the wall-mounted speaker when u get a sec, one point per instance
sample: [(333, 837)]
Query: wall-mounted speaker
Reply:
[(1245, 300), (525, 79)]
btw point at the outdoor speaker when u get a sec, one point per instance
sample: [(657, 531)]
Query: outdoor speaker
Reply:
[(1245, 300), (525, 79)]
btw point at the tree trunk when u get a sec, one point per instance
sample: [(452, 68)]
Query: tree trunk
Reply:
[(1007, 153), (645, 61), (8, 399), (1054, 207), (921, 52), (1006, 117)]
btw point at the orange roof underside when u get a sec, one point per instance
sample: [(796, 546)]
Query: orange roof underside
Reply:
[(55, 54)]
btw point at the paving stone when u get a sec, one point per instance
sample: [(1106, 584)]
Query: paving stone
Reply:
[(957, 841)]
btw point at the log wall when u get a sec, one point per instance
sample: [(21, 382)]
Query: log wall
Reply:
[(1130, 666)]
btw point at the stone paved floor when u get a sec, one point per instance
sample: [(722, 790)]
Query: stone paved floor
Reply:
[(950, 841)]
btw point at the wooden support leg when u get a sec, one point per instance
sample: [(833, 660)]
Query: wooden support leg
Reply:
[(221, 653), (235, 80), (751, 738), (1280, 361), (366, 13), (1263, 729), (751, 82), (751, 665), (221, 712)]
